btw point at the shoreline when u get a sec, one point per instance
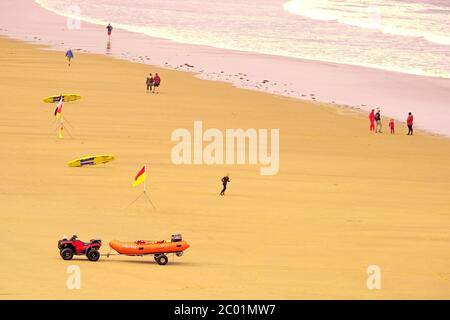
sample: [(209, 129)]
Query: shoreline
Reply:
[(395, 93), (343, 109), (239, 51)]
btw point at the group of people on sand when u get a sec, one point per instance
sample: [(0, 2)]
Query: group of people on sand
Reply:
[(153, 83), (376, 125), (69, 53)]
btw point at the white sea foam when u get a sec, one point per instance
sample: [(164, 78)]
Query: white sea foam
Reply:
[(425, 20), (403, 36)]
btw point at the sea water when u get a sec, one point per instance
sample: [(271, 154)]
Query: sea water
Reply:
[(409, 36)]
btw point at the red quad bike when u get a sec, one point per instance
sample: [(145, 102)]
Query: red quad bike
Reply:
[(70, 247)]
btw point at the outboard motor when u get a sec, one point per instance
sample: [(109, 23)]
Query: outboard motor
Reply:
[(176, 238)]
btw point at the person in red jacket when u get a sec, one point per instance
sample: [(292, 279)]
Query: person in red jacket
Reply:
[(372, 120), (409, 123), (392, 126), (156, 83)]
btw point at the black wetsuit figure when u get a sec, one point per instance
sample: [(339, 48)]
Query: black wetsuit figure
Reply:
[(225, 180)]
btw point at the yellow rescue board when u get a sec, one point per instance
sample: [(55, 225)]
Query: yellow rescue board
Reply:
[(66, 97), (90, 160)]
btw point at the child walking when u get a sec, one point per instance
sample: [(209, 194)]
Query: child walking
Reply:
[(392, 126)]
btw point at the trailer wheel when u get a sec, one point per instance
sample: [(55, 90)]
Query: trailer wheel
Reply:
[(162, 259), (66, 253), (93, 255)]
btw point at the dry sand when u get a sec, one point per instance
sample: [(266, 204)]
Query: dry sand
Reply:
[(344, 198)]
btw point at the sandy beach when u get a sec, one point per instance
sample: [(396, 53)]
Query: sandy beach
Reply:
[(344, 198)]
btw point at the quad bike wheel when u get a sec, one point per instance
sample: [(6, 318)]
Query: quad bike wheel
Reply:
[(162, 259), (66, 253), (93, 255)]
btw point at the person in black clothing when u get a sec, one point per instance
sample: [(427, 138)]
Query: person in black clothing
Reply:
[(378, 121), (150, 81), (225, 180), (109, 28)]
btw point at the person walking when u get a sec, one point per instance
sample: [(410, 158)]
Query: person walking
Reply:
[(409, 123), (69, 55), (225, 180), (109, 28), (156, 83), (149, 82), (372, 120), (378, 121), (392, 126)]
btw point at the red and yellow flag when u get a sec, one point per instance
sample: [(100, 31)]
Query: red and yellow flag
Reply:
[(140, 177), (58, 110)]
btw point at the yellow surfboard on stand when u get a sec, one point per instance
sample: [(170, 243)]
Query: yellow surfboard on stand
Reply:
[(66, 98), (91, 160)]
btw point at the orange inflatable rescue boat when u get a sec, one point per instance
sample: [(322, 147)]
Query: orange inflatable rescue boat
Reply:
[(159, 249)]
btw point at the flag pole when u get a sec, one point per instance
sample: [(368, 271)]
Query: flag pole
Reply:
[(145, 188), (145, 180), (144, 192)]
